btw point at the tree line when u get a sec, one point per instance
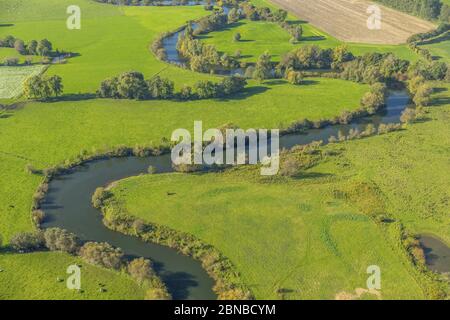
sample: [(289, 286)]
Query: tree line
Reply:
[(427, 9), (133, 85), (34, 48), (43, 87)]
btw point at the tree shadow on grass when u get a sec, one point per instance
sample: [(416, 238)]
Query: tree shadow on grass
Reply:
[(73, 97), (6, 25), (313, 38), (246, 93), (313, 175)]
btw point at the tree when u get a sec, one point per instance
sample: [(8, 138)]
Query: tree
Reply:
[(44, 47), (408, 116), (263, 68), (61, 240), (32, 47), (140, 269), (415, 83), (372, 101), (55, 84), (186, 93), (296, 33), (19, 45), (38, 216), (102, 254), (294, 77), (341, 54), (34, 87), (131, 85), (280, 15), (445, 13), (233, 84), (233, 15), (237, 37), (9, 41), (206, 89), (423, 95), (27, 241), (160, 88)]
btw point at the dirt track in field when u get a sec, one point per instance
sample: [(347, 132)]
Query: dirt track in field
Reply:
[(347, 20)]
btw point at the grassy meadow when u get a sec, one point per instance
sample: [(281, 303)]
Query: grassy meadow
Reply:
[(43, 275), (289, 234)]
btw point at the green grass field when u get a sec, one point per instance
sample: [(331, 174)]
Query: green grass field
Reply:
[(12, 79), (258, 37), (278, 235), (306, 223), (326, 239), (35, 276)]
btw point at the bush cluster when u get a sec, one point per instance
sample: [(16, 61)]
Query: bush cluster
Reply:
[(132, 85)]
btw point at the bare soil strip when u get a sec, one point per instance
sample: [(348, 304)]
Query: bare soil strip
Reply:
[(347, 20)]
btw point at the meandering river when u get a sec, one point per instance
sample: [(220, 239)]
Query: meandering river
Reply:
[(68, 202), (68, 205)]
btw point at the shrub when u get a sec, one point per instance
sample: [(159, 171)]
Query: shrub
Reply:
[(11, 62), (102, 254), (99, 196), (235, 294), (156, 294), (237, 37), (38, 217), (294, 77), (289, 168), (61, 240), (408, 116), (27, 241)]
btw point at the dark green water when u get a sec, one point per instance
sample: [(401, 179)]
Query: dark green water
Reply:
[(437, 254)]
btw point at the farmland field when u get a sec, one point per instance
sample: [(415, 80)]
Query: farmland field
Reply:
[(12, 79), (347, 20), (305, 236)]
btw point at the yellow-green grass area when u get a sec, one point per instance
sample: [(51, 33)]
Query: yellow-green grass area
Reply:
[(289, 235), (410, 168), (261, 36), (12, 79), (295, 233), (112, 39), (43, 275)]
